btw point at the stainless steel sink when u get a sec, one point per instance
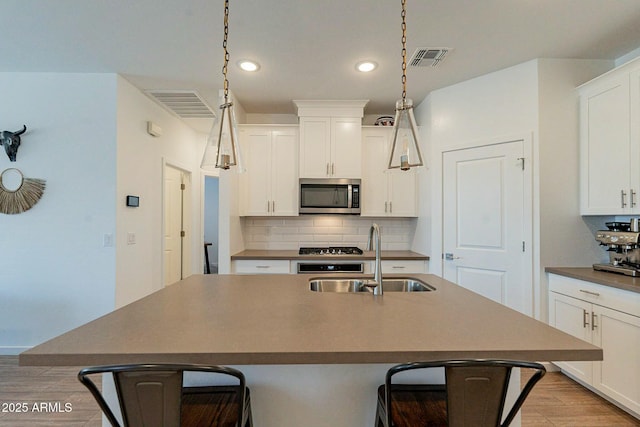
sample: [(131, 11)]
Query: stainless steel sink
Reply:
[(405, 285), (362, 285), (338, 285)]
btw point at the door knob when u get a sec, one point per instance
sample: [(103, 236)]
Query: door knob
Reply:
[(449, 256)]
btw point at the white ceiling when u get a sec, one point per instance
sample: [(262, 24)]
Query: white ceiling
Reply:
[(307, 49)]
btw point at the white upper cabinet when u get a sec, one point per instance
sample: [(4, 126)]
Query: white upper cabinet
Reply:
[(330, 138), (270, 185), (385, 192), (610, 144)]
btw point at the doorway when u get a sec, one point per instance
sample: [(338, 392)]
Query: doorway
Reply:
[(211, 203), (177, 224), (485, 218)]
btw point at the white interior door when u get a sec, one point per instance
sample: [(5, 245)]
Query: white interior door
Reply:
[(484, 221), (177, 227)]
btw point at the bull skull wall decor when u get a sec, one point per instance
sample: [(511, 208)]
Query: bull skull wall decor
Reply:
[(11, 142)]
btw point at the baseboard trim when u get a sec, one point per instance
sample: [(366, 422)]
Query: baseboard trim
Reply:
[(12, 350)]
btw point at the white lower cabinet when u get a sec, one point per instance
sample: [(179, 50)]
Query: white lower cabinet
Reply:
[(402, 266), (261, 266), (608, 318)]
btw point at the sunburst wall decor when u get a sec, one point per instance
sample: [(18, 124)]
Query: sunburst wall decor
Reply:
[(21, 198)]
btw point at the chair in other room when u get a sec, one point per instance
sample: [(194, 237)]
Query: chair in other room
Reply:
[(154, 395), (473, 394)]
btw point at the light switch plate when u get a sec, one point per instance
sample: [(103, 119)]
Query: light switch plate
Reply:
[(131, 238)]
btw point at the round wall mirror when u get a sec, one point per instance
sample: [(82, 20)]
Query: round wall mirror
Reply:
[(11, 180)]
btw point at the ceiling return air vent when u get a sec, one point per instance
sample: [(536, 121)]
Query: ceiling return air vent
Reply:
[(185, 104), (428, 56)]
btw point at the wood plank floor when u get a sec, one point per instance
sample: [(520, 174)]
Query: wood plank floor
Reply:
[(555, 401)]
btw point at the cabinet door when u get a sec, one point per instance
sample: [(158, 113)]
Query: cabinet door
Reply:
[(256, 182), (315, 147), (346, 147), (403, 195), (572, 316), (403, 266), (618, 375), (605, 166), (634, 136), (261, 266), (284, 173), (374, 179)]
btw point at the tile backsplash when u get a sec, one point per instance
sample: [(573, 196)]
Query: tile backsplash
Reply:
[(318, 231)]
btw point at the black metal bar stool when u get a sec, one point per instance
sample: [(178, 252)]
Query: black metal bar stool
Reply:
[(207, 266), (154, 395), (474, 394)]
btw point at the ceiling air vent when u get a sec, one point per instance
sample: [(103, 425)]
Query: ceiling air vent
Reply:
[(184, 104), (428, 56)]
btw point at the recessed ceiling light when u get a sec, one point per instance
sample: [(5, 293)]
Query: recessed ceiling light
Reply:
[(248, 65), (366, 66)]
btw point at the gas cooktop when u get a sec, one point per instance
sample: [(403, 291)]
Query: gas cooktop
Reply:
[(333, 250)]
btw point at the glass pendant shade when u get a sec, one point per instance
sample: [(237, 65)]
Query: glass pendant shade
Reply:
[(405, 150), (223, 150)]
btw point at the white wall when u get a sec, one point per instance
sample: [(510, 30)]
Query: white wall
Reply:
[(87, 138), (564, 238), (55, 273), (140, 162), (503, 103), (535, 100)]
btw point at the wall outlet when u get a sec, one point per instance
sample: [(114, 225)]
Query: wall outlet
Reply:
[(131, 238)]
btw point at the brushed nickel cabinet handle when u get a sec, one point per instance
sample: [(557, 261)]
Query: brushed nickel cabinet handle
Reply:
[(333, 168), (633, 198), (623, 202), (390, 207), (595, 294), (585, 318), (327, 169), (594, 317), (386, 205), (262, 266)]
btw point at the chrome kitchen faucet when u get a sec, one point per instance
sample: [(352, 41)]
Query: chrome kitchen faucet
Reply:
[(377, 272)]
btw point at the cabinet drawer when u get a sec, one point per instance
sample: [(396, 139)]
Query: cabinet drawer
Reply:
[(606, 296), (404, 266), (261, 266)]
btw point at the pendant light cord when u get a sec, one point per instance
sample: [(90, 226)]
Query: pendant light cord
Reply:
[(226, 52), (404, 52)]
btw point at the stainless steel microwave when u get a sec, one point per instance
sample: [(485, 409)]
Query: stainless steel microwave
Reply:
[(329, 196)]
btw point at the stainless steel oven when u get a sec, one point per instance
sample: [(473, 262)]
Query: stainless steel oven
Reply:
[(330, 267), (329, 196)]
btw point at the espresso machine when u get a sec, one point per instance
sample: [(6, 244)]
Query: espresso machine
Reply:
[(622, 240)]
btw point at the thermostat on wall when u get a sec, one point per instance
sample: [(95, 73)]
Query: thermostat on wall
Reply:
[(133, 201)]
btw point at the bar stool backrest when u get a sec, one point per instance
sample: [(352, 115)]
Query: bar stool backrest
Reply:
[(476, 389), (151, 394)]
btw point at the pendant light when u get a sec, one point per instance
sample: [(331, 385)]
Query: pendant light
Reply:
[(405, 148), (222, 150)]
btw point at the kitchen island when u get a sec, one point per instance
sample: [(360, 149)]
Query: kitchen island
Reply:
[(312, 359)]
